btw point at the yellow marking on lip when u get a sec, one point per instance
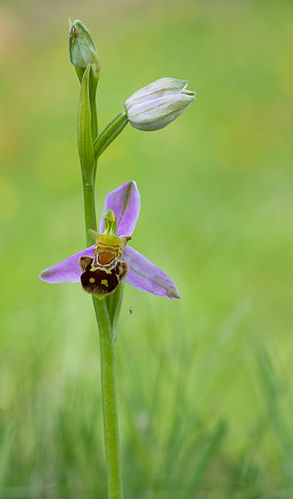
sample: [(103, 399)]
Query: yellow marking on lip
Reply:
[(108, 271), (92, 279), (105, 282)]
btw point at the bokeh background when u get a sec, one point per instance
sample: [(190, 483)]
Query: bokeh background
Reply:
[(205, 384)]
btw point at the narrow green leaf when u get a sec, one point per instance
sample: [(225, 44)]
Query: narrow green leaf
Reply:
[(79, 72), (84, 130), (93, 82)]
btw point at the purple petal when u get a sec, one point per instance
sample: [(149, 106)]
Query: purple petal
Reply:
[(66, 271), (125, 202), (146, 276)]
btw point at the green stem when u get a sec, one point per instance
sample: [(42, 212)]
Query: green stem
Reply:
[(108, 377), (89, 210)]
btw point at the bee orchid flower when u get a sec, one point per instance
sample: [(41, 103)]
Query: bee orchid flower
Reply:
[(102, 266)]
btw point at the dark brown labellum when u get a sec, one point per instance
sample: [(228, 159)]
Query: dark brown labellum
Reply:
[(101, 280)]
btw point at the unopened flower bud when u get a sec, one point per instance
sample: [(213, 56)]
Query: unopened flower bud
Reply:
[(156, 105), (82, 50)]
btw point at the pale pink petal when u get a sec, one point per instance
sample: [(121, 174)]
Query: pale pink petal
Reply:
[(68, 270), (146, 276), (125, 202)]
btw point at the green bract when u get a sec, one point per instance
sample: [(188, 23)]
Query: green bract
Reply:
[(84, 129)]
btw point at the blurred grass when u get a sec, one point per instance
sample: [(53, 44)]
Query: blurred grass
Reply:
[(205, 385)]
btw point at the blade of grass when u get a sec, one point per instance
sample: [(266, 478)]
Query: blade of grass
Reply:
[(272, 391), (209, 452)]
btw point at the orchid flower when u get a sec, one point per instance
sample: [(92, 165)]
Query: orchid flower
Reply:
[(122, 207)]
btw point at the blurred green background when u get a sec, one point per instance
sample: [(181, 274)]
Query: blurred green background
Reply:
[(205, 384)]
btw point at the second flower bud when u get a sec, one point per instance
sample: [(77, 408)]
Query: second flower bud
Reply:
[(157, 104)]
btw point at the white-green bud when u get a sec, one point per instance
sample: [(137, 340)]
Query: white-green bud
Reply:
[(156, 105), (82, 50)]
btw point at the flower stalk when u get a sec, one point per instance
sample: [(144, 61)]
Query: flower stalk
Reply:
[(100, 268), (108, 381), (109, 133), (87, 129), (109, 400)]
